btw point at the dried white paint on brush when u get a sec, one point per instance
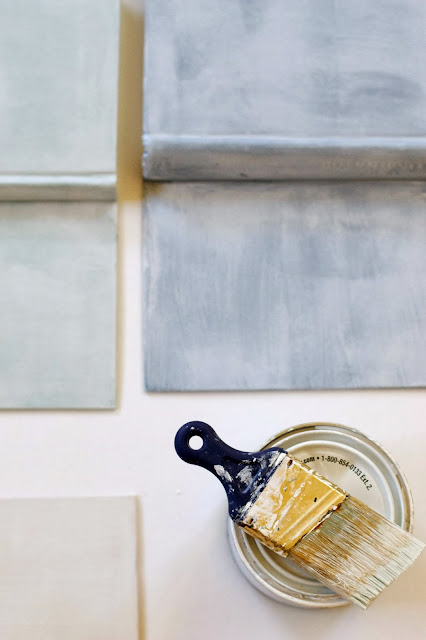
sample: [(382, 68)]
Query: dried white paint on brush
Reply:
[(250, 477), (245, 476), (292, 503), (253, 476), (222, 473)]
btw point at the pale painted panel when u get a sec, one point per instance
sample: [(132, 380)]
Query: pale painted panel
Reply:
[(57, 301), (68, 569), (58, 91)]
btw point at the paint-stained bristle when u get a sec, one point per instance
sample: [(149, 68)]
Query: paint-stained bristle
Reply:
[(356, 552)]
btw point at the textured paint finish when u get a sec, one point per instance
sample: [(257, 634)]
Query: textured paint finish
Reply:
[(171, 157), (284, 286), (69, 569), (54, 187), (293, 502), (276, 75), (57, 300), (58, 92)]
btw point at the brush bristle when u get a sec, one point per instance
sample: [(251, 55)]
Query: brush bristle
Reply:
[(356, 552)]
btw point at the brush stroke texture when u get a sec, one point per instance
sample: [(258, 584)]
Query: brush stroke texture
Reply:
[(57, 301), (68, 569), (284, 286), (58, 93), (274, 75)]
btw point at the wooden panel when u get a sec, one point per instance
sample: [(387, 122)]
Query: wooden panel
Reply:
[(57, 300), (284, 285), (238, 89), (68, 569), (58, 99)]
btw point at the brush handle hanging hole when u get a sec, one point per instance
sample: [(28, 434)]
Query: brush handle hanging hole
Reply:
[(195, 442), (240, 472)]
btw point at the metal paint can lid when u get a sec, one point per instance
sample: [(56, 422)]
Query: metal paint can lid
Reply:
[(354, 462)]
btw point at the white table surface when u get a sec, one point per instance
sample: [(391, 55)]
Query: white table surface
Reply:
[(190, 587)]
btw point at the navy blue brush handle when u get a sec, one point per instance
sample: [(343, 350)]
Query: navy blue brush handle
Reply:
[(242, 474)]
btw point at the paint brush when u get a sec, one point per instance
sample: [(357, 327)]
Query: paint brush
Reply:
[(347, 546)]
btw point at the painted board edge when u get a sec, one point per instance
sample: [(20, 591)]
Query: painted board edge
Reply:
[(181, 158)]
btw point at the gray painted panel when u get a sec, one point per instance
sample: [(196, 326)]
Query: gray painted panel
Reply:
[(58, 87), (57, 301), (336, 73), (285, 286)]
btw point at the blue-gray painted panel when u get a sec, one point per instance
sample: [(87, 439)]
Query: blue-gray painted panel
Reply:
[(255, 81), (284, 286)]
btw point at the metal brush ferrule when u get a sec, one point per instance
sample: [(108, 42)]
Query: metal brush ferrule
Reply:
[(292, 503)]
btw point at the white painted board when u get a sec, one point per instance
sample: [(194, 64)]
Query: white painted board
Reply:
[(284, 285), (57, 305), (68, 569), (256, 89), (58, 98)]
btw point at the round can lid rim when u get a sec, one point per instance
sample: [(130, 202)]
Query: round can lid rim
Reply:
[(257, 580), (269, 590), (313, 425)]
